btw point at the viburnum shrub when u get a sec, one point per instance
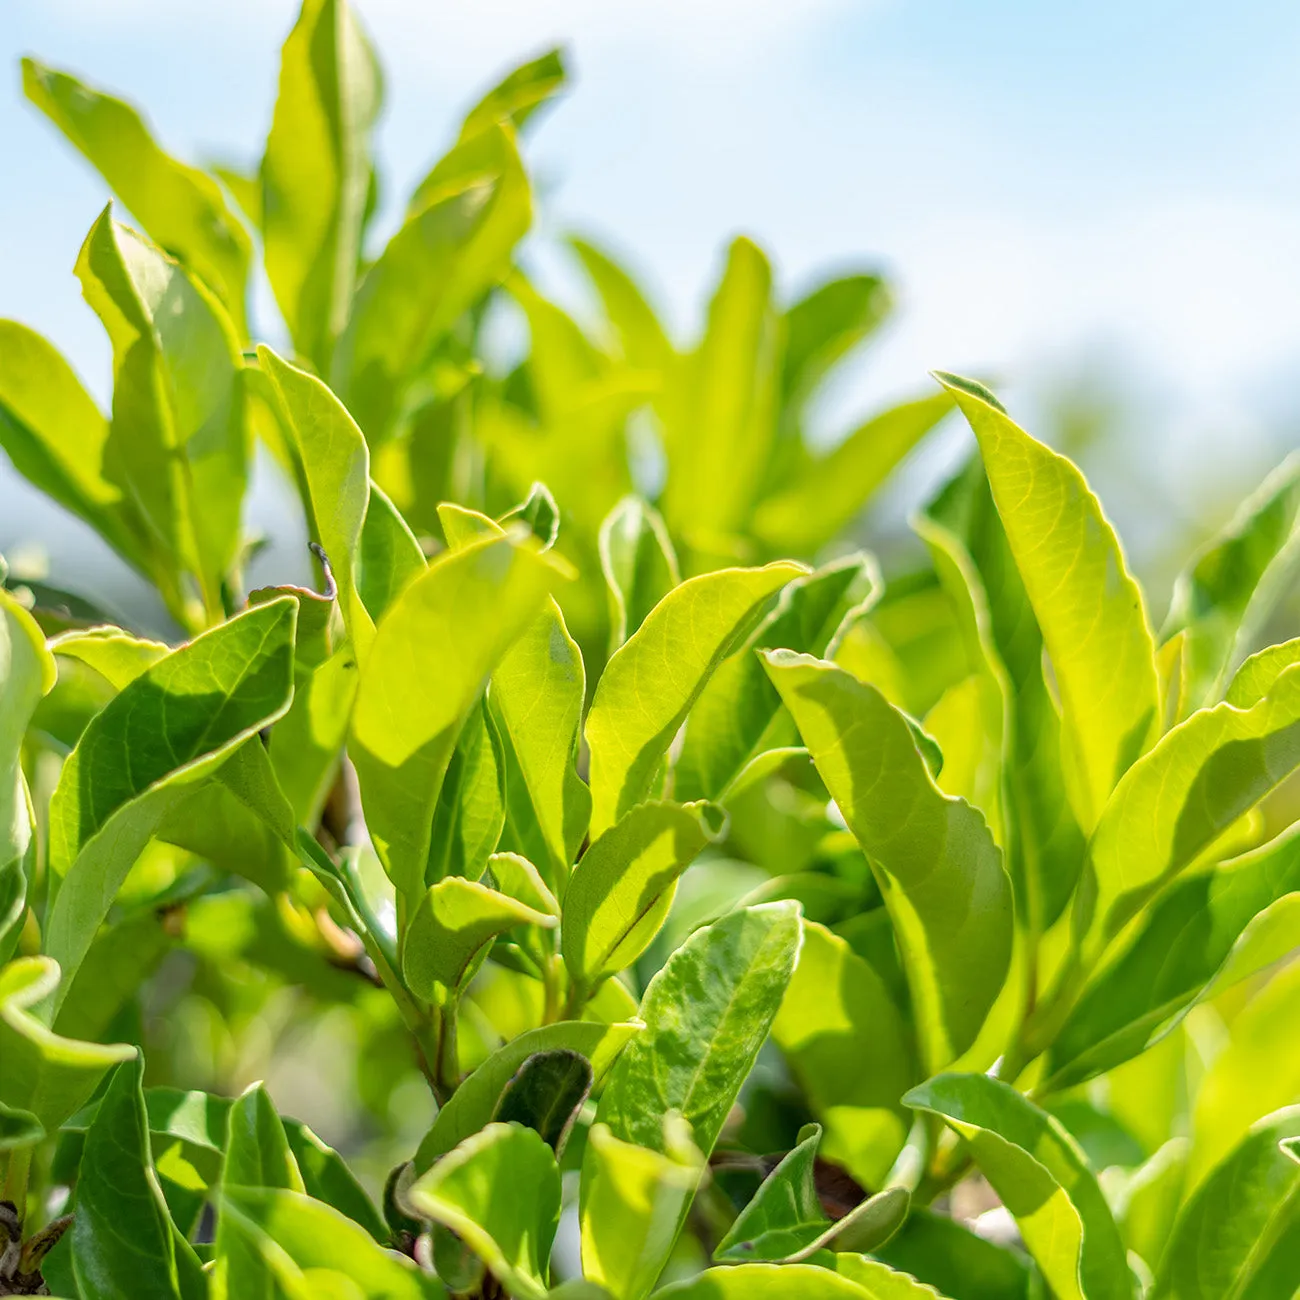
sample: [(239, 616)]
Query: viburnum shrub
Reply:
[(809, 936)]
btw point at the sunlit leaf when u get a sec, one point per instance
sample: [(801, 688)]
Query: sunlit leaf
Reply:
[(940, 871), (316, 173), (1087, 604), (651, 682)]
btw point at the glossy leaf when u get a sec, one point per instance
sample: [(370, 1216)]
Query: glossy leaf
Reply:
[(499, 1191), (124, 1243), (389, 557), (632, 1202), (735, 718), (780, 1282), (850, 1049), (316, 173), (172, 727), (1213, 928), (546, 1095), (471, 811), (116, 656), (335, 465), (474, 1103), (180, 208), (651, 682), (305, 1242), (1239, 1235), (27, 673), (621, 890), (1086, 602), (1232, 584), (639, 564), (257, 1150), (426, 668), (40, 1071), (451, 930), (824, 496), (940, 871), (1040, 1175), (949, 1257), (1257, 676), (1182, 796), (707, 1012), (1042, 839), (178, 437)]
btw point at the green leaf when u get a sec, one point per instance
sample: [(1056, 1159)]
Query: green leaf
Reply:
[(1229, 589), (825, 325), (117, 656), (536, 696), (736, 717), (54, 434), (180, 208), (1041, 1176), (778, 1282), (785, 1221), (1044, 845), (707, 1012), (1239, 1235), (1086, 602), (471, 811), (938, 867), (27, 674), (632, 1203), (257, 1150), (540, 511), (639, 564), (849, 1048), (316, 173), (426, 668), (519, 94), (336, 471), (546, 1095), (651, 682), (878, 1280), (621, 890), (1255, 1071), (949, 1257), (327, 1178), (474, 1103), (1256, 677), (18, 1128), (640, 334), (172, 727), (718, 451), (452, 249), (257, 1155), (1207, 932), (178, 440), (306, 1243), (1180, 798), (499, 1191), (389, 557), (451, 931), (124, 1243), (825, 495)]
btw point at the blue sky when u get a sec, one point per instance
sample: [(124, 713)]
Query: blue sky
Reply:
[(1060, 190)]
